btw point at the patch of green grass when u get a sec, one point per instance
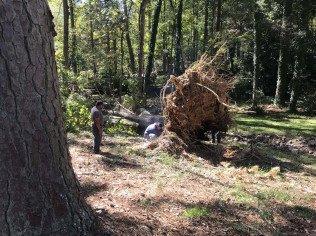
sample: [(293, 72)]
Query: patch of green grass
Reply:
[(146, 202), (166, 159), (137, 152), (241, 196), (266, 215), (196, 212), (288, 125), (274, 194)]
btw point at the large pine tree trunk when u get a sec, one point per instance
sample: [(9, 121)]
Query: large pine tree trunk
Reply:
[(284, 62), (38, 189), (66, 33), (152, 45)]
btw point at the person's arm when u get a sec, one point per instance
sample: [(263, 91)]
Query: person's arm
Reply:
[(146, 133)]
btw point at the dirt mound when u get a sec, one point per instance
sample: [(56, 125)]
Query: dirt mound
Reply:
[(199, 103)]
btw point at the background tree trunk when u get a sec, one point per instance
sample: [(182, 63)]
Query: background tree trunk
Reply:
[(206, 24), (152, 45), (218, 15), (121, 77), (92, 43), (66, 34), (178, 43), (141, 24), (73, 63), (128, 39), (301, 50), (284, 62), (39, 194), (257, 20)]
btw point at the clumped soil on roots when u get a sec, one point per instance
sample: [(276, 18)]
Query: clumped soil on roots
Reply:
[(199, 103)]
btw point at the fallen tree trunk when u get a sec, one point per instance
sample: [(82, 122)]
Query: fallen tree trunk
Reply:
[(142, 120)]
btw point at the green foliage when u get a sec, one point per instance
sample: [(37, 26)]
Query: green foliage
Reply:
[(274, 194), (196, 212), (241, 195), (129, 102), (120, 128), (77, 115), (166, 159)]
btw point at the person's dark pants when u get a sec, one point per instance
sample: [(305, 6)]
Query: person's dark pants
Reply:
[(97, 139), (216, 136)]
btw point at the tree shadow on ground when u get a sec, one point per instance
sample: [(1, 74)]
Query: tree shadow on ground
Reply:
[(113, 161), (250, 156), (216, 218), (80, 143), (91, 188)]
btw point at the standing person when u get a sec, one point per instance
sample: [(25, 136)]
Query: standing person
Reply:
[(97, 127)]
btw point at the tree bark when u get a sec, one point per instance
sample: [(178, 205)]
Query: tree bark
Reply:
[(66, 34), (39, 194), (178, 43), (154, 30), (128, 39), (284, 62), (73, 63), (141, 24)]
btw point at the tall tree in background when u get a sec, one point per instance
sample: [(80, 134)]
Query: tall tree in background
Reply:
[(154, 30), (178, 42), (141, 25), (218, 16), (39, 192), (206, 24), (73, 60), (301, 46), (195, 31), (256, 61), (66, 33), (284, 56), (92, 44), (128, 38)]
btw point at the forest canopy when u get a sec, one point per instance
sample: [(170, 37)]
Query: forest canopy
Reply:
[(124, 50)]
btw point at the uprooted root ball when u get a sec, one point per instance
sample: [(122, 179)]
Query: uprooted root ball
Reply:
[(199, 103)]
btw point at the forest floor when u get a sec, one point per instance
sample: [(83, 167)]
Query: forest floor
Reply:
[(137, 191)]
